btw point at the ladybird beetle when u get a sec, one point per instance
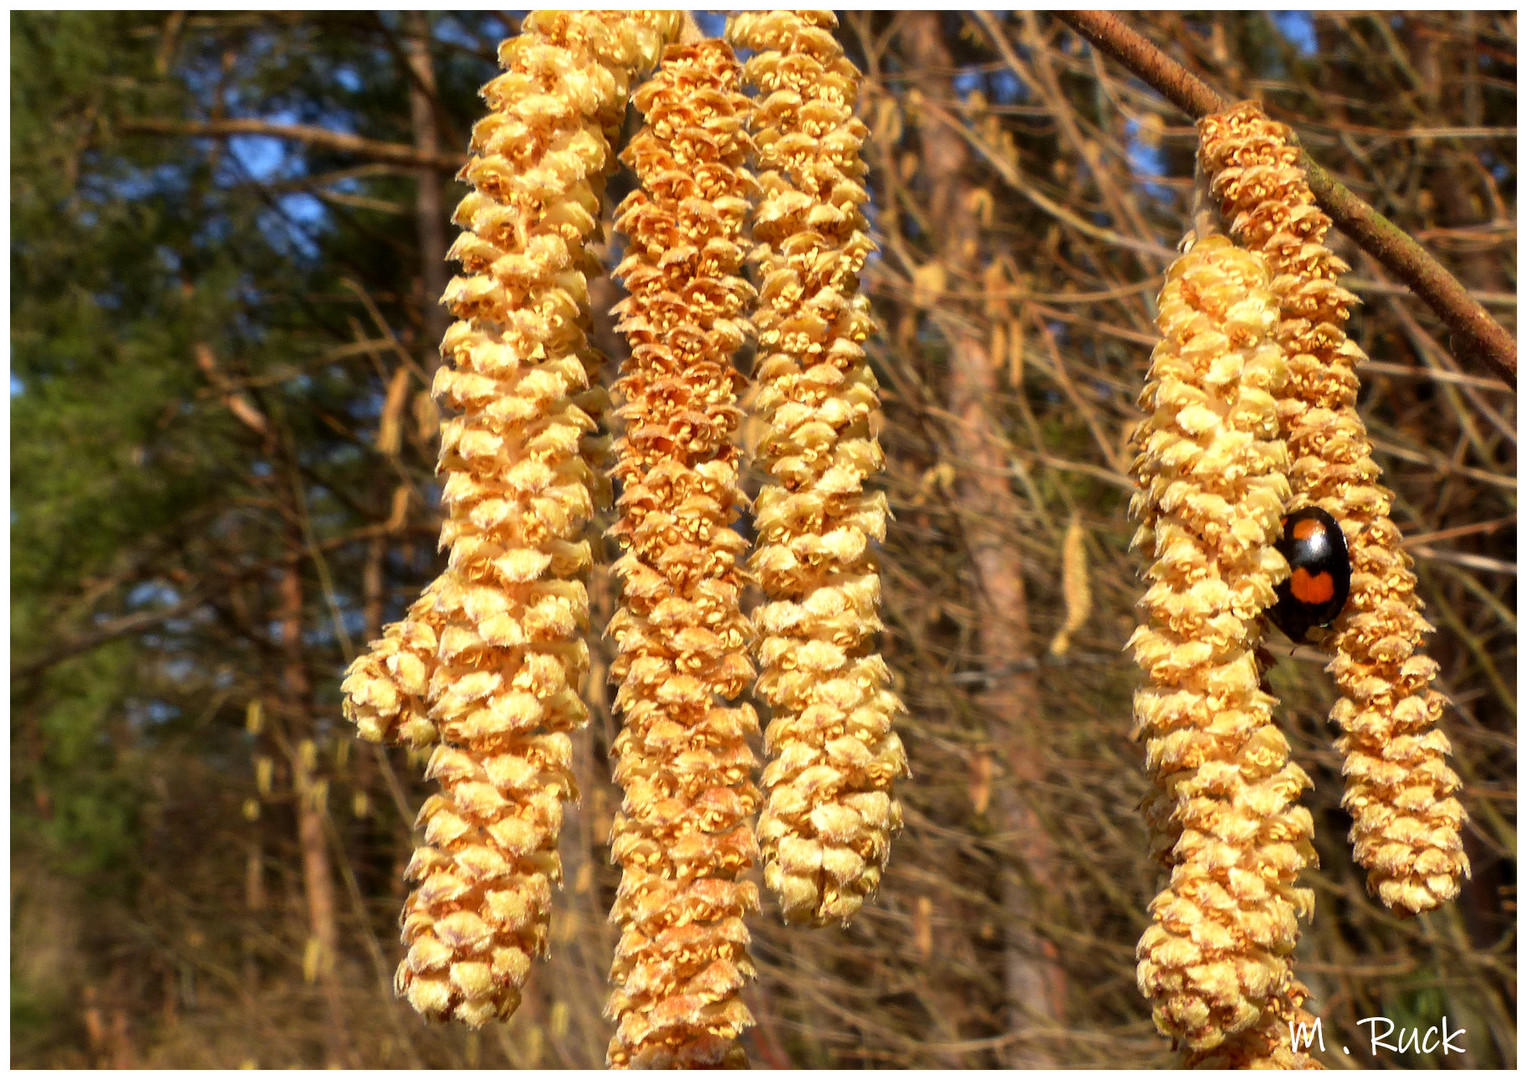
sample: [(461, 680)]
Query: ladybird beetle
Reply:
[(1320, 573)]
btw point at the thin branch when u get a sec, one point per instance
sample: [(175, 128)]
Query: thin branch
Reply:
[(1163, 74), (419, 80), (1473, 328), (101, 633), (375, 149)]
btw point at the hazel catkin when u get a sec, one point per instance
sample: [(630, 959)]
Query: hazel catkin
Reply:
[(518, 458), (829, 814), (1211, 472), (684, 835), (1406, 822)]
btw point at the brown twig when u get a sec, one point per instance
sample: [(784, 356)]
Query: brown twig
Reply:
[(1473, 328), (374, 149)]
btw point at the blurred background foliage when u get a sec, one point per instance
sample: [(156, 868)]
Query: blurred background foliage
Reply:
[(227, 236)]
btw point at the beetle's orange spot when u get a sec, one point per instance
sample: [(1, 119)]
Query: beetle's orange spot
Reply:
[(1305, 529), (1311, 588)]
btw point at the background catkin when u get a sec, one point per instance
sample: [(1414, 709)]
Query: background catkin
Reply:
[(1405, 822), (684, 835), (507, 615), (1211, 470), (1075, 588), (829, 817)]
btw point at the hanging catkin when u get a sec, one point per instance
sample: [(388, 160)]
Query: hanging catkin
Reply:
[(684, 836), (1211, 470), (509, 612), (827, 823), (1074, 585), (1406, 822)]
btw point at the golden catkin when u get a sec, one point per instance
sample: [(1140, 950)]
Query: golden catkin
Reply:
[(684, 835), (1211, 471), (1406, 822), (1075, 587), (519, 490), (827, 823)]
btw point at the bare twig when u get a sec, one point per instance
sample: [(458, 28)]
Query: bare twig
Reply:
[(103, 632), (1473, 328), (375, 149)]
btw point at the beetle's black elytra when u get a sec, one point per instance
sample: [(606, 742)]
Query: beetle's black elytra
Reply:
[(1320, 573)]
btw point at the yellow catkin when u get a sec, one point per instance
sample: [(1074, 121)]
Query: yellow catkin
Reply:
[(684, 835), (1406, 822), (1211, 471), (1074, 585), (827, 823), (509, 612)]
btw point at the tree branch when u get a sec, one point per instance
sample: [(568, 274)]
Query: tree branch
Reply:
[(1473, 328), (101, 633), (374, 149)]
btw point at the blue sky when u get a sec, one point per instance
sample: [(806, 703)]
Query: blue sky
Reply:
[(1298, 27)]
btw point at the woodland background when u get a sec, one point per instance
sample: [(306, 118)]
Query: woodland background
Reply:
[(228, 236)]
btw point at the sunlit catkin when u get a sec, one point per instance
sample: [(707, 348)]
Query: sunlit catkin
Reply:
[(1211, 471), (827, 824), (684, 835), (519, 489), (1406, 823)]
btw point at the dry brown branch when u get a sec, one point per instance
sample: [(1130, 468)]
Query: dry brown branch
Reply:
[(238, 403), (1374, 233), (393, 153)]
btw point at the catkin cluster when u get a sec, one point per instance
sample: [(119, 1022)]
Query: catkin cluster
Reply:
[(684, 835), (1212, 475), (827, 823), (505, 619), (486, 666), (1406, 823)]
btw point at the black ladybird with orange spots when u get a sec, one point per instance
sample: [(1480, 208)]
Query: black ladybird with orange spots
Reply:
[(1320, 573)]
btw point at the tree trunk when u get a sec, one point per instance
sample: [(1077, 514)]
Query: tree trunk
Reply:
[(1034, 985), (317, 875), (296, 708), (427, 206)]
